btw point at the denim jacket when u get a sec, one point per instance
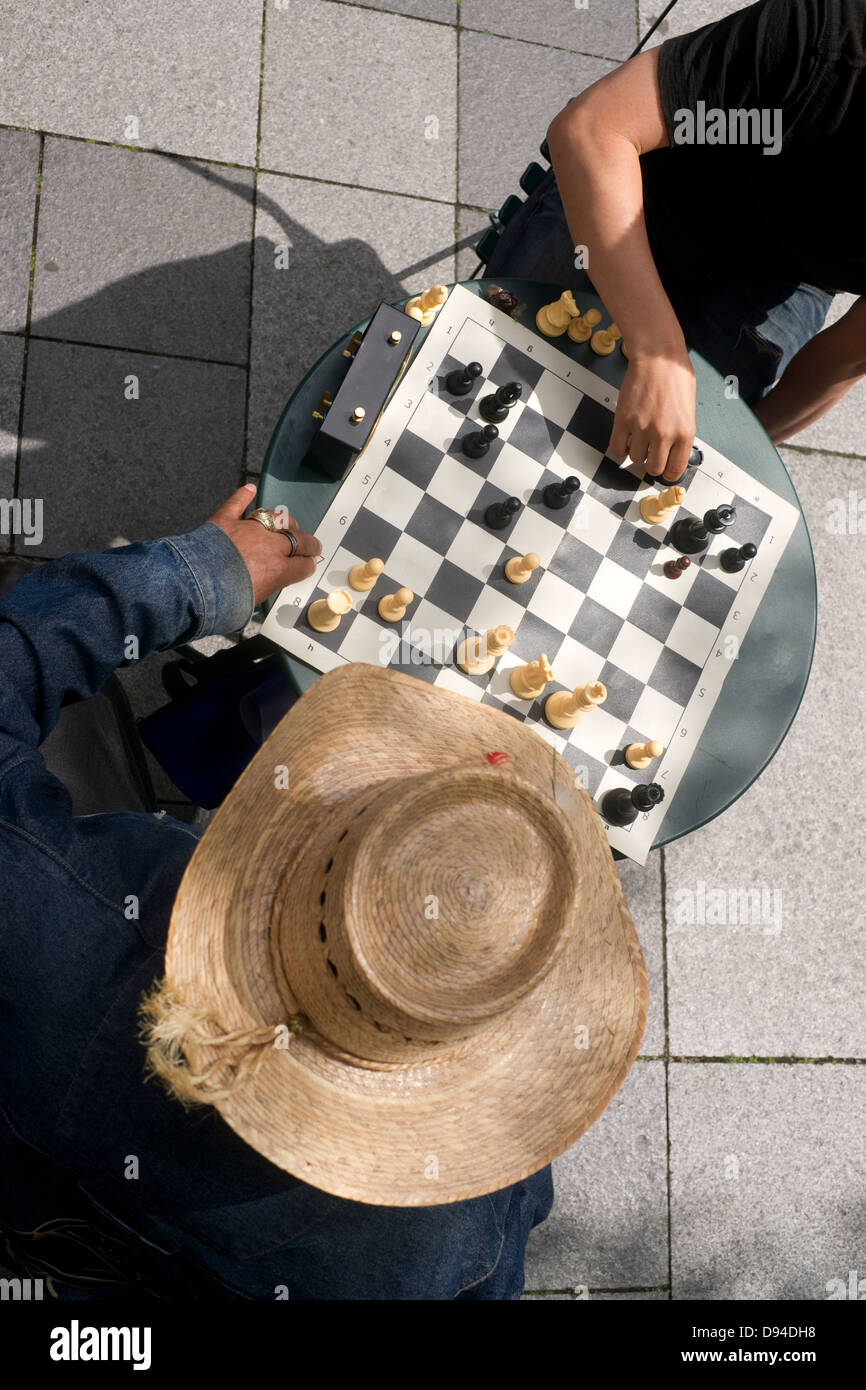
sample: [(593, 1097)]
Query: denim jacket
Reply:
[(169, 1201)]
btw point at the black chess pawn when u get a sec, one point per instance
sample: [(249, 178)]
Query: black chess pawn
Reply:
[(734, 560), (461, 380), (476, 444), (620, 805), (560, 493), (696, 457), (496, 406), (499, 514), (690, 536)]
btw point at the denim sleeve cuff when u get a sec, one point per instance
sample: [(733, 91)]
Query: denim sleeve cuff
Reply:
[(225, 596)]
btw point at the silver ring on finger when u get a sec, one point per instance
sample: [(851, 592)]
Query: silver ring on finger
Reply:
[(293, 538)]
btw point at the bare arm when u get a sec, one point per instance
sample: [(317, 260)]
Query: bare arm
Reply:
[(595, 144), (819, 376)]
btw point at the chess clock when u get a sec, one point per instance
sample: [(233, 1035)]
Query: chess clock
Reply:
[(378, 356)]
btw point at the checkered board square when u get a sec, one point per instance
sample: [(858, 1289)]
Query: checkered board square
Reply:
[(599, 607)]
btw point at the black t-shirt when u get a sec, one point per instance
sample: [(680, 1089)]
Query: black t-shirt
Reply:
[(719, 212)]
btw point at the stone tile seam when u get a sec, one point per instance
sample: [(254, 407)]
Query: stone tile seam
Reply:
[(31, 337), (175, 155), (19, 443), (456, 222), (733, 1060), (471, 29), (663, 898), (254, 219), (633, 1288)]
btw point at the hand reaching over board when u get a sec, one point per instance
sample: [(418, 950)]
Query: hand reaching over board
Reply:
[(655, 416)]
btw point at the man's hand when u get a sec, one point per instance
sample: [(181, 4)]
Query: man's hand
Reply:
[(655, 416), (267, 554)]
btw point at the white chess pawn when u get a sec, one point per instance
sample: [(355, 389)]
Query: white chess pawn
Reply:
[(580, 330), (640, 755), (364, 576), (604, 340), (521, 567), (393, 606)]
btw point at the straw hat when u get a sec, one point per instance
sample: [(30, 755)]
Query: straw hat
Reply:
[(400, 962)]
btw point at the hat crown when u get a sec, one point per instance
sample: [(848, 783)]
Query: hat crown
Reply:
[(446, 901)]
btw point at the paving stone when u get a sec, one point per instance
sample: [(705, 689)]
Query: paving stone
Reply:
[(372, 104), (19, 165), (608, 1227), (840, 305), (683, 18), (608, 30), (349, 249), (109, 466), (445, 11), (766, 1179), (785, 976), (471, 225), (648, 1295), (146, 694), (189, 80), (496, 141), (143, 251), (471, 222), (11, 361), (579, 1296), (643, 893)]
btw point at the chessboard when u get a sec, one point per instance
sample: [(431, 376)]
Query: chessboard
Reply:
[(599, 605)]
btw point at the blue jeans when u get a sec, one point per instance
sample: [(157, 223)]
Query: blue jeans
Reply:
[(750, 331)]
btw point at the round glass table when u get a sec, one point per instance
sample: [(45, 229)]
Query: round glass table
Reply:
[(762, 692)]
